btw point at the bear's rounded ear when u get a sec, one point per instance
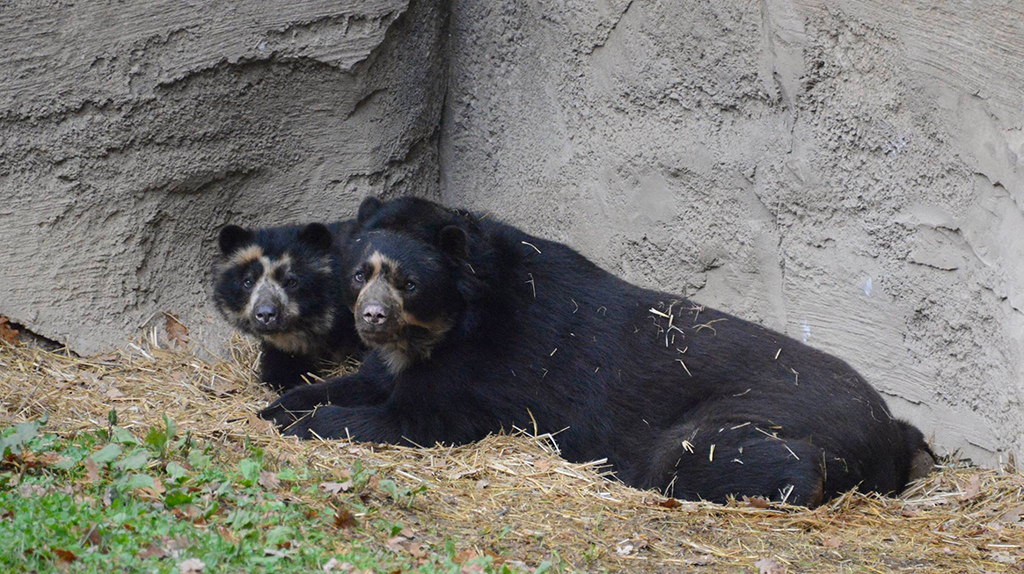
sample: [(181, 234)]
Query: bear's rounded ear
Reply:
[(232, 237), (454, 241), (367, 208), (317, 236)]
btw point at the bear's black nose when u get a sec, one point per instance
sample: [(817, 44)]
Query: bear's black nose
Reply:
[(266, 314), (375, 314)]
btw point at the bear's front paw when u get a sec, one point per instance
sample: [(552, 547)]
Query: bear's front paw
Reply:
[(279, 414), (325, 422), (294, 405)]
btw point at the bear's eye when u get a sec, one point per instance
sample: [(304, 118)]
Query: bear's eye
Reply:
[(410, 286), (291, 283), (247, 283), (359, 277)]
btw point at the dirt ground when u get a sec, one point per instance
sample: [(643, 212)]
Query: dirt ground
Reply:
[(514, 497)]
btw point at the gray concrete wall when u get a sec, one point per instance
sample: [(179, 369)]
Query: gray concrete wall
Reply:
[(130, 131), (846, 172)]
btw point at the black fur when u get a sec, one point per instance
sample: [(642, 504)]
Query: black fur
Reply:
[(317, 295), (676, 396)]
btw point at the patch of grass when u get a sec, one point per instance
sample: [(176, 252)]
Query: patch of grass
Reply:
[(110, 501)]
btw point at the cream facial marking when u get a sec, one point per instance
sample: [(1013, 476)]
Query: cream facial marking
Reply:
[(397, 358), (439, 326), (400, 354), (290, 342), (245, 256), (268, 287), (382, 267)]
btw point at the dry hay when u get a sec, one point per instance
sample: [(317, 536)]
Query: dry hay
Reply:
[(960, 519)]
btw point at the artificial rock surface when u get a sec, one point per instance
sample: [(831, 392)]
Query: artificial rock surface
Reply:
[(130, 132)]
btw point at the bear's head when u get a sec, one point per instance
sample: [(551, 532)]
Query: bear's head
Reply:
[(406, 289), (414, 216), (278, 283)]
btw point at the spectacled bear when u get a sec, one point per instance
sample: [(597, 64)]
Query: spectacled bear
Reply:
[(475, 326), (284, 285)]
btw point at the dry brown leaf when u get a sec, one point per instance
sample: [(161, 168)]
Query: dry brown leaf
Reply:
[(335, 487), (831, 542), (191, 566), (7, 333), (177, 332), (757, 501), (156, 491), (31, 490), (33, 460), (269, 480), (333, 565), (1002, 557), (769, 566), (94, 537), (92, 472), (973, 487), (344, 519), (670, 503), (223, 387), (153, 550), (227, 534), (397, 544), (258, 425), (702, 560), (64, 555), (1012, 515), (189, 512), (417, 550), (275, 552)]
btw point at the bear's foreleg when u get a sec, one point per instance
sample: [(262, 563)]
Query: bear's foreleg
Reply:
[(283, 371), (366, 423), (353, 390)]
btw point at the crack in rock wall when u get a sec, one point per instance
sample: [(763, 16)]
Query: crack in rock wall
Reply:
[(848, 173), (130, 132)]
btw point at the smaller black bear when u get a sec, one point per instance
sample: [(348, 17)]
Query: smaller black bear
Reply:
[(283, 285), (476, 327)]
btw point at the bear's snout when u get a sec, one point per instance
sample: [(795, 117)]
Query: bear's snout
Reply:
[(375, 314), (266, 315), (380, 323)]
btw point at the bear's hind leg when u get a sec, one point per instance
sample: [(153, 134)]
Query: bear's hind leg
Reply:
[(716, 460)]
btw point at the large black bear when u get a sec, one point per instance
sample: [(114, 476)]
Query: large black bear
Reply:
[(284, 285), (476, 327)]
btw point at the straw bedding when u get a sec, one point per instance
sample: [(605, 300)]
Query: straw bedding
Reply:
[(513, 495)]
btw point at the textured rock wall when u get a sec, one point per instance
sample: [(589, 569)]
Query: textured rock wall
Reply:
[(847, 172), (130, 131)]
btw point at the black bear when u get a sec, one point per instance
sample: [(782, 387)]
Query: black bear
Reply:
[(284, 285), (475, 326)]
